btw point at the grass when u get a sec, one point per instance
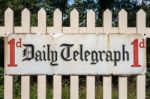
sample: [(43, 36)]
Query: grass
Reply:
[(1, 83)]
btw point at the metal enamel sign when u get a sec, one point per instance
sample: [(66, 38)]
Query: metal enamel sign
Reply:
[(77, 54)]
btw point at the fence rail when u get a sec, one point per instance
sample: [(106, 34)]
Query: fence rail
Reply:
[(74, 28)]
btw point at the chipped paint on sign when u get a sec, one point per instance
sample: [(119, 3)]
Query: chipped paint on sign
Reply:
[(78, 54)]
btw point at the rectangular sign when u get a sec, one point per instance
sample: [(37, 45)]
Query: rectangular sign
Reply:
[(76, 54)]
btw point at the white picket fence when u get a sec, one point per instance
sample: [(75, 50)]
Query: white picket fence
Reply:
[(74, 28)]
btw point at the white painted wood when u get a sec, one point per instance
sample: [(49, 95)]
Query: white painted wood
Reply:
[(57, 87), (83, 30), (131, 30), (74, 24), (107, 21), (8, 28), (122, 16), (123, 87), (107, 83), (90, 87), (25, 87), (74, 87), (114, 30), (97, 30), (41, 91), (147, 33), (41, 22), (107, 87), (141, 21), (8, 81), (141, 79), (58, 20), (57, 28), (74, 21), (141, 84), (25, 22), (9, 21), (123, 21), (41, 87), (8, 87), (57, 79), (25, 28), (90, 82), (2, 30), (74, 80), (90, 21), (122, 29)]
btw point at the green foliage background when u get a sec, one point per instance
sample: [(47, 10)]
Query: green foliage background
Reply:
[(99, 6)]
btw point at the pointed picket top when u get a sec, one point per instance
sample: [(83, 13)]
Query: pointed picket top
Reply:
[(9, 13), (123, 21), (74, 11), (9, 20), (58, 20), (107, 21), (74, 20), (41, 12), (90, 20), (25, 11), (8, 10), (141, 21), (141, 14), (42, 20), (57, 11), (107, 12), (141, 11), (91, 12), (123, 11)]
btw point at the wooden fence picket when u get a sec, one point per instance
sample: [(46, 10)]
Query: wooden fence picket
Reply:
[(74, 87), (57, 79), (107, 83), (74, 27), (122, 21), (141, 27), (25, 22), (8, 80), (90, 94), (123, 79), (140, 87), (25, 28), (41, 78)]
